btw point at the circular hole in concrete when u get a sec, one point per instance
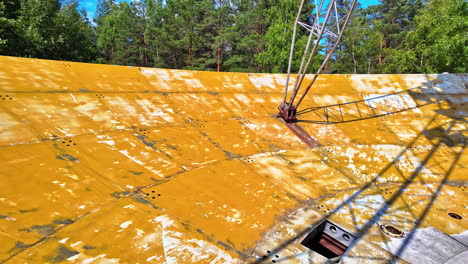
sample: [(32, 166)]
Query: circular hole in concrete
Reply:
[(454, 215), (392, 231), (333, 229), (346, 237)]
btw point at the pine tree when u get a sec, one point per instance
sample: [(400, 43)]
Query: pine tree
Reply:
[(246, 35), (46, 29), (103, 8), (36, 24), (393, 19), (440, 41), (11, 41), (395, 36), (359, 50), (277, 40), (120, 38), (153, 36), (74, 37)]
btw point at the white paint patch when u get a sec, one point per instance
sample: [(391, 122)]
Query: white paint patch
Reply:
[(76, 244), (73, 97), (126, 224), (389, 103), (350, 153), (251, 126), (177, 245), (64, 240), (151, 258), (72, 258), (139, 234), (462, 237), (235, 216), (10, 218), (108, 142), (125, 152), (260, 81), (89, 260), (73, 176)]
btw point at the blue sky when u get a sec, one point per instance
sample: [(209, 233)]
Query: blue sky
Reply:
[(90, 5)]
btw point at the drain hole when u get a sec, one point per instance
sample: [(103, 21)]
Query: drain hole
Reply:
[(392, 231), (454, 215), (346, 237), (333, 229)]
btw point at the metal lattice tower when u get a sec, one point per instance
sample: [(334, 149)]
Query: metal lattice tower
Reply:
[(327, 20)]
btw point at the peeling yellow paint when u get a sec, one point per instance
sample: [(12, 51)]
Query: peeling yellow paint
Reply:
[(113, 164)]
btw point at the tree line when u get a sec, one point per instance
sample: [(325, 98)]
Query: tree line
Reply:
[(395, 36)]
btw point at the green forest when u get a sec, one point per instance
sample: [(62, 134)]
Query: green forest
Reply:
[(395, 36)]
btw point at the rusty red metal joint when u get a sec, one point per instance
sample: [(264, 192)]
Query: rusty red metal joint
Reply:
[(287, 112)]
